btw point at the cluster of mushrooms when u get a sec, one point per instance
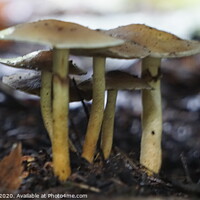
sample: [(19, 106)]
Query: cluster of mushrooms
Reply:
[(52, 81)]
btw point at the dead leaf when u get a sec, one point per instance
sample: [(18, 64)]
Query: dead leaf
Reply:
[(11, 170), (3, 23)]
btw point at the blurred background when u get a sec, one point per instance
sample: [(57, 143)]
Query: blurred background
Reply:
[(177, 16), (181, 77)]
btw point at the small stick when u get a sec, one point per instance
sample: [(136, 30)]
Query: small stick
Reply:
[(185, 167)]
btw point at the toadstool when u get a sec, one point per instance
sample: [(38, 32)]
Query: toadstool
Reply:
[(62, 36), (161, 45), (127, 50)]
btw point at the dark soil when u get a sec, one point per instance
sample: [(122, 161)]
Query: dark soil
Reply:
[(121, 175)]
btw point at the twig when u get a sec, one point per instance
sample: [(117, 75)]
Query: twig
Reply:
[(185, 167), (77, 136), (187, 188), (127, 159), (87, 187)]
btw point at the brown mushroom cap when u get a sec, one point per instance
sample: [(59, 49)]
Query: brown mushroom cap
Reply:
[(160, 43), (118, 80), (124, 81), (30, 82), (59, 34), (128, 50), (39, 60)]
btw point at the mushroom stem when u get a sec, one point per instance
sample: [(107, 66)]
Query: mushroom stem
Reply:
[(60, 140), (46, 102), (108, 123), (46, 105), (150, 155), (96, 114)]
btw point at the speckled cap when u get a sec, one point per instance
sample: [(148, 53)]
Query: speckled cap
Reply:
[(38, 60), (30, 82), (118, 80), (59, 34), (160, 43)]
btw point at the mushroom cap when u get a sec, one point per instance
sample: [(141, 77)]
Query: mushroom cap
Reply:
[(59, 34), (118, 80), (128, 50), (38, 60), (30, 82), (160, 43)]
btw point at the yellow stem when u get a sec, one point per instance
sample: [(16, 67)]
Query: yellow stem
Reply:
[(96, 115), (60, 140), (46, 105), (46, 101), (151, 153), (108, 123)]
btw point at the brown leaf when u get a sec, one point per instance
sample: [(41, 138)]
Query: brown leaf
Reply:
[(11, 170)]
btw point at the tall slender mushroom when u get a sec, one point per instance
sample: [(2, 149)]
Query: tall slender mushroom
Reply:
[(62, 36), (161, 45), (128, 50)]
